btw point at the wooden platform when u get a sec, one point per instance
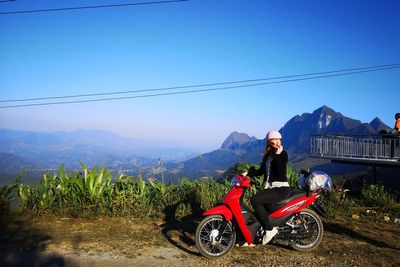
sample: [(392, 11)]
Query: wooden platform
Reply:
[(372, 150), (362, 149), (361, 161)]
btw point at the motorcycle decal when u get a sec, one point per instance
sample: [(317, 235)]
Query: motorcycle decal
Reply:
[(294, 207)]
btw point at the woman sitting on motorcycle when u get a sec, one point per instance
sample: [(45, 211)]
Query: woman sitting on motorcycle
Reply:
[(273, 167)]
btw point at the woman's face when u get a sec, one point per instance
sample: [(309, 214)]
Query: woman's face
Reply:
[(276, 143)]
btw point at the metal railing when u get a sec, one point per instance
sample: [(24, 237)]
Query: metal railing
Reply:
[(382, 147)]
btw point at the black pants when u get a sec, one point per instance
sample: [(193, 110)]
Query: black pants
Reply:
[(265, 198)]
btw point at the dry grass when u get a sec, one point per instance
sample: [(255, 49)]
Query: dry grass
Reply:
[(347, 242), (129, 237)]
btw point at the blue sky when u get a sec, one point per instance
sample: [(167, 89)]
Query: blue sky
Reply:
[(196, 42)]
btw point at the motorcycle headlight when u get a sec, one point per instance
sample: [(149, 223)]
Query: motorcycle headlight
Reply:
[(235, 182)]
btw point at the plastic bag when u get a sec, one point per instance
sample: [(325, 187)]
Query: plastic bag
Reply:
[(315, 180)]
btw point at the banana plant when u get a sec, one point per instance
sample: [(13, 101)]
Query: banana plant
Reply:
[(44, 194), (70, 190), (142, 190), (24, 195), (96, 182), (158, 187)]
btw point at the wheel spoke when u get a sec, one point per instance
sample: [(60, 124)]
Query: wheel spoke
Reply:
[(208, 237), (309, 225)]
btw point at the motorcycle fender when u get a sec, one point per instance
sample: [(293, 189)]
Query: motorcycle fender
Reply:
[(222, 210), (319, 210)]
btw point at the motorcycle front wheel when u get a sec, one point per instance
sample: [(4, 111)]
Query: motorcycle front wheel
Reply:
[(311, 228), (215, 236)]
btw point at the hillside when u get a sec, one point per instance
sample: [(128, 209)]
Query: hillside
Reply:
[(39, 151), (36, 151), (296, 138)]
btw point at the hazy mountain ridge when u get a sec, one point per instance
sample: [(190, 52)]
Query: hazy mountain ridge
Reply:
[(37, 150), (236, 139), (43, 150), (296, 137)]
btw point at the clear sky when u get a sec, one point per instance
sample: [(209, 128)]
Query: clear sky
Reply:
[(196, 42)]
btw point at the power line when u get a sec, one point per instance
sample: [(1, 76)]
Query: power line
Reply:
[(207, 84), (90, 7), (200, 90)]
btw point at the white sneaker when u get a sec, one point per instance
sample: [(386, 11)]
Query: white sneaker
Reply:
[(269, 235), (245, 245)]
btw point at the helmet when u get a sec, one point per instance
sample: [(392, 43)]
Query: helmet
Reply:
[(273, 135)]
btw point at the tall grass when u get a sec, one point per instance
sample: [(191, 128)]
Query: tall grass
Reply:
[(92, 192), (337, 201), (6, 195), (376, 196)]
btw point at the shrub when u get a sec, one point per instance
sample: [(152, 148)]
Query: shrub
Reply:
[(93, 193), (6, 195), (130, 197), (336, 201), (376, 196)]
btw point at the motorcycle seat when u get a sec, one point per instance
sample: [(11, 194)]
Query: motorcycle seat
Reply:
[(293, 196)]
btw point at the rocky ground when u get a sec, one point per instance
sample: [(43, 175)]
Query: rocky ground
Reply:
[(53, 241)]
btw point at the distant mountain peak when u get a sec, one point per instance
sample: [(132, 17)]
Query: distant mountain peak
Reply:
[(326, 111), (378, 125), (236, 138), (239, 147), (376, 120), (324, 116), (325, 107)]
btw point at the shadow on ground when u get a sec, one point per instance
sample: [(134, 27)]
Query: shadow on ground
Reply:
[(24, 245), (343, 230), (180, 232)]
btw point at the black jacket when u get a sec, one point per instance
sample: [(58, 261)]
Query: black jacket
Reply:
[(277, 172)]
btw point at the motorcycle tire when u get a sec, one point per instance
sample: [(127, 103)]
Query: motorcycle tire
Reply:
[(210, 242), (313, 225)]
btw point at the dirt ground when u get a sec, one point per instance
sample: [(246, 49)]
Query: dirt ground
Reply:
[(116, 242)]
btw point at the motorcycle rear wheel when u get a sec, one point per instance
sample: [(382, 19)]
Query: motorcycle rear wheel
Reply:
[(207, 234), (313, 223)]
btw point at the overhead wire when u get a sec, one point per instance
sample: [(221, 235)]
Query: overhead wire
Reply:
[(91, 7), (203, 90), (203, 85)]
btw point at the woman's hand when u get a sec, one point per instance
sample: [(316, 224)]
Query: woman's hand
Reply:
[(278, 147)]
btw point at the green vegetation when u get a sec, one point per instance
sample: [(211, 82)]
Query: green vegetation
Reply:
[(6, 195), (92, 193), (374, 200), (376, 196)]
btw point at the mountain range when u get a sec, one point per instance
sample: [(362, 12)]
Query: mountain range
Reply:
[(40, 150), (240, 147)]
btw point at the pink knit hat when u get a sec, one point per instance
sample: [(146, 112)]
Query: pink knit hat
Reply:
[(273, 135)]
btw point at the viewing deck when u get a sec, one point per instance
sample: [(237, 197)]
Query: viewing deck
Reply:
[(375, 150)]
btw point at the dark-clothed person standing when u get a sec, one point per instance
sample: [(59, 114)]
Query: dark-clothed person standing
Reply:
[(273, 167)]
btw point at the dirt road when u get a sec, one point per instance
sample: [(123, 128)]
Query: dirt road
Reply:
[(117, 242)]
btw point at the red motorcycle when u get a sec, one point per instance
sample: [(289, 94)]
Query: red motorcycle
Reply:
[(299, 225)]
